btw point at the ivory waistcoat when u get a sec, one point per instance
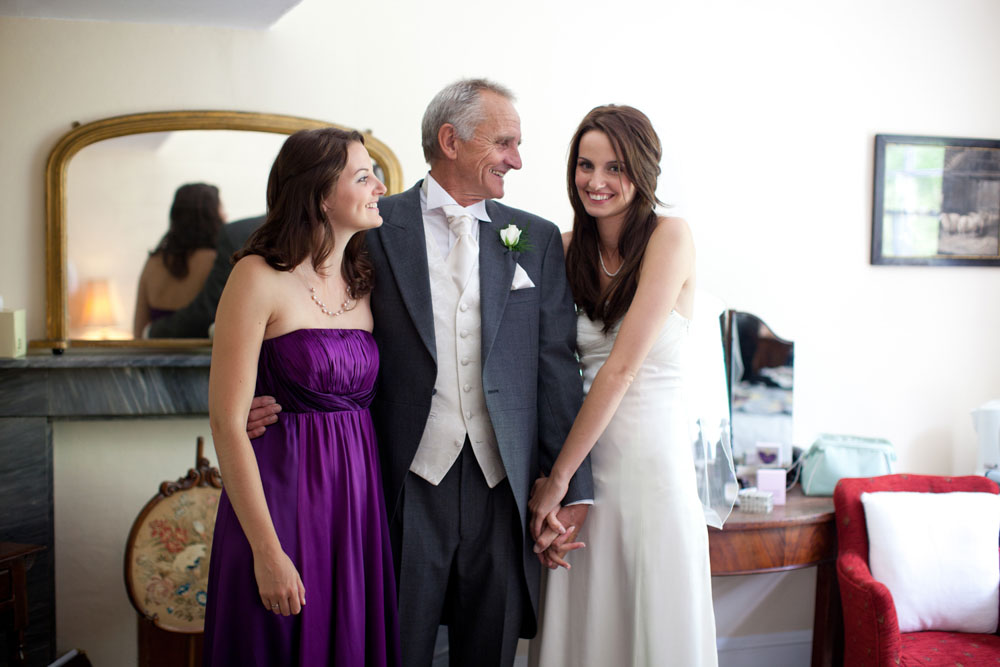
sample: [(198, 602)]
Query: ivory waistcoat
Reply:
[(458, 406)]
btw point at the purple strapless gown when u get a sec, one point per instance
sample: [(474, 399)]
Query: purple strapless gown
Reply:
[(320, 471)]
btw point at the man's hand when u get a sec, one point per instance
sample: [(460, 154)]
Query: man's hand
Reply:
[(552, 547), (263, 411)]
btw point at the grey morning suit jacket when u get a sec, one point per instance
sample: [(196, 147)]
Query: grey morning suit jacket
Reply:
[(531, 379)]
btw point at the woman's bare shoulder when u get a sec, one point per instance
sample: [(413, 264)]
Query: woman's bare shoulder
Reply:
[(672, 223), (672, 231), (254, 270), (155, 271), (204, 255), (149, 266), (566, 238)]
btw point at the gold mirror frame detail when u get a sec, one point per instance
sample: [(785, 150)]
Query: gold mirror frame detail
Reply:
[(56, 259)]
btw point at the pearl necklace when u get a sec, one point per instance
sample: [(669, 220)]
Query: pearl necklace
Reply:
[(322, 306), (600, 256)]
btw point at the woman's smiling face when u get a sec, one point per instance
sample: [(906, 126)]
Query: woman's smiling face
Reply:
[(353, 201), (601, 182)]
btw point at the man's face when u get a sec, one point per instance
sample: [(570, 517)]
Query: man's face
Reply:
[(484, 160)]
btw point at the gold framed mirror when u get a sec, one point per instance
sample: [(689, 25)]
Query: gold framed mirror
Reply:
[(104, 235)]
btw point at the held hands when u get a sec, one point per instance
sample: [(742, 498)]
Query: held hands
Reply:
[(263, 411), (553, 539), (546, 494), (279, 583), (553, 547)]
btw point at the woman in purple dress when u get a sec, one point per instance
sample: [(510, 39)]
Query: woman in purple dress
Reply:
[(302, 516)]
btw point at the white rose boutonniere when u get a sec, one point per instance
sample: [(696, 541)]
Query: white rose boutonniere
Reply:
[(514, 238)]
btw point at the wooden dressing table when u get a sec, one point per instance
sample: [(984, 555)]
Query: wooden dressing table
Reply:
[(801, 533)]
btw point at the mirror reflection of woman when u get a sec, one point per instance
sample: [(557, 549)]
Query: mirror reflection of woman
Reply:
[(176, 270), (640, 593), (302, 514)]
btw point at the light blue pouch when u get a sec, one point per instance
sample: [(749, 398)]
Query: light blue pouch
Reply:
[(832, 457)]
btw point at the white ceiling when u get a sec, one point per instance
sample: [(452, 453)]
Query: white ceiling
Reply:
[(256, 14)]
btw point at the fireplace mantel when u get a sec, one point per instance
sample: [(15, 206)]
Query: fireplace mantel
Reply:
[(41, 388)]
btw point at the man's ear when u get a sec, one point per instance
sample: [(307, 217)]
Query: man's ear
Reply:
[(448, 141)]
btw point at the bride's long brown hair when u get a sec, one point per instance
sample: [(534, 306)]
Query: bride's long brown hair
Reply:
[(638, 149)]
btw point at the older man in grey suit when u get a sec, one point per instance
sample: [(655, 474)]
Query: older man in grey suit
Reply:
[(478, 385)]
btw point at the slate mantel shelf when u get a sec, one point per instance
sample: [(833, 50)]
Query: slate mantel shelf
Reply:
[(105, 385), (43, 387)]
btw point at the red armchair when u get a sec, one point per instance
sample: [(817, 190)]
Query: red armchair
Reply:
[(871, 631)]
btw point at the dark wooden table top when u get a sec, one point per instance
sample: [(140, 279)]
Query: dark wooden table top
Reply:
[(798, 509), (9, 550), (798, 534)]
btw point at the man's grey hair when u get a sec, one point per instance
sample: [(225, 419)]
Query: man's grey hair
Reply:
[(459, 104)]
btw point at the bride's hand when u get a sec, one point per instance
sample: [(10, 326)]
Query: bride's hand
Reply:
[(546, 494)]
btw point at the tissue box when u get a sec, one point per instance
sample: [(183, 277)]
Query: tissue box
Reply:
[(773, 480), (13, 342)]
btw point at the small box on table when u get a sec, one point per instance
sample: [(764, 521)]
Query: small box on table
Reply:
[(773, 480)]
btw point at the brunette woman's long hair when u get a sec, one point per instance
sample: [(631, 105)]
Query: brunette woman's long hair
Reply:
[(305, 171), (638, 149), (195, 222)]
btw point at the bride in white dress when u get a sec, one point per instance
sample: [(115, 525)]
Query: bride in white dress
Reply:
[(640, 593)]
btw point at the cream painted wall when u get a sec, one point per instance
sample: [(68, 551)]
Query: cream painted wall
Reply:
[(767, 113), (104, 474)]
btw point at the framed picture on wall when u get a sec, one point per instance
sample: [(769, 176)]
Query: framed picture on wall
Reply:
[(936, 201)]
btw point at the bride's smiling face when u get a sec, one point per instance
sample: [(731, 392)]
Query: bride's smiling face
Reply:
[(601, 181)]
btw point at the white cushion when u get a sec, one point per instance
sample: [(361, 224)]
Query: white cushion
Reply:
[(937, 554)]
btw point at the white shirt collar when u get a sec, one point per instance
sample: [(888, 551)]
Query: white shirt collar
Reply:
[(437, 197)]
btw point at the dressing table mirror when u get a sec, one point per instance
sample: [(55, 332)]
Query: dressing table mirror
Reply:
[(760, 367), (108, 191)]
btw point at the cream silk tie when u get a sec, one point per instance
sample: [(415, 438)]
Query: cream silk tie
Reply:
[(463, 254)]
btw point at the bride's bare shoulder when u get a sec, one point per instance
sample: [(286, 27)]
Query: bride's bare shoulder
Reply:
[(672, 222), (672, 231)]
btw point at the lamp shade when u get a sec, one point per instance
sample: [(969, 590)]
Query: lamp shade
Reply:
[(98, 307)]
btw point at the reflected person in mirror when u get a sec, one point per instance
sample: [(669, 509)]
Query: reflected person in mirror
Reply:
[(176, 270), (302, 514), (641, 592), (195, 319)]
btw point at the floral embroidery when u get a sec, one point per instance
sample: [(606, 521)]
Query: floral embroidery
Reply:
[(171, 554), (172, 537), (159, 588)]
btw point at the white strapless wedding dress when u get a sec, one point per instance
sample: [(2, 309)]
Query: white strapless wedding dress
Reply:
[(640, 593)]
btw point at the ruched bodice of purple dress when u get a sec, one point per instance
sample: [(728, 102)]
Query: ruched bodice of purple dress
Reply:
[(319, 370), (322, 483)]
